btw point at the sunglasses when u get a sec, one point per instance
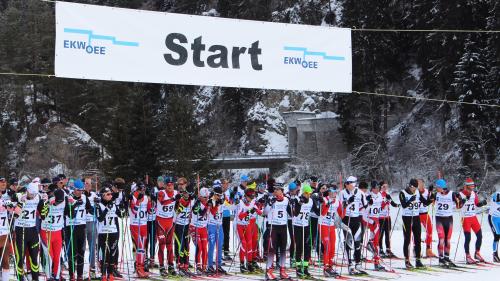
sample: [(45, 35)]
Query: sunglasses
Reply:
[(107, 194)]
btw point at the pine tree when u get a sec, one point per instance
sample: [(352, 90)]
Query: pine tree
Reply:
[(469, 81), (185, 148)]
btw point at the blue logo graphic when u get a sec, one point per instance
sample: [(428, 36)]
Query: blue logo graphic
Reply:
[(87, 45), (305, 53)]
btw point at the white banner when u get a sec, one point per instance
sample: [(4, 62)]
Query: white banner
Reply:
[(106, 43)]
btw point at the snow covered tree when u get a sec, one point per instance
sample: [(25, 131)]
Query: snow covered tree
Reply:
[(469, 86)]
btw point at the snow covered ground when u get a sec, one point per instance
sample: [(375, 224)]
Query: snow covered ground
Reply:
[(487, 272)]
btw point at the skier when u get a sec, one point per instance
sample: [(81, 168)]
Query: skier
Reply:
[(226, 217), (330, 207), (277, 211), (314, 182), (303, 206), (184, 202), (51, 233), (29, 205), (244, 211), (152, 193), (215, 231), (165, 226), (494, 221), (375, 202), (446, 201), (410, 201), (425, 219), (470, 221), (292, 194), (6, 208), (75, 230), (91, 225), (198, 227), (140, 205), (107, 233), (385, 221), (353, 200)]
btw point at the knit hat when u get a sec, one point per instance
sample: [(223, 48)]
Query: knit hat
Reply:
[(78, 184), (441, 184), (306, 188), (33, 188), (292, 186), (469, 182)]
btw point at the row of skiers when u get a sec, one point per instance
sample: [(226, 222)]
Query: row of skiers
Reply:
[(65, 216)]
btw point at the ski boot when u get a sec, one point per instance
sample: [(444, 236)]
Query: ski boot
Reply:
[(210, 270), (250, 268), (270, 275), (408, 264), (199, 269), (390, 254), (495, 257), (163, 271), (478, 257), (383, 254), (352, 270), (171, 270), (140, 272), (227, 257), (379, 267), (419, 264), (116, 273), (283, 274), (359, 268), (443, 263), (306, 272), (256, 267), (370, 247), (299, 272), (329, 272), (449, 262), (243, 268), (469, 259), (221, 270)]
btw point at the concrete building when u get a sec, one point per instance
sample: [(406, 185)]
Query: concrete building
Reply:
[(312, 135)]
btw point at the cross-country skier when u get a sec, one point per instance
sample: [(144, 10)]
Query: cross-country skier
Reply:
[(302, 209), (165, 226), (140, 205), (243, 214), (331, 206), (494, 221), (75, 230), (6, 208), (184, 202), (353, 201), (293, 190), (198, 227), (386, 222), (91, 223), (470, 221), (446, 202), (227, 210), (277, 211), (29, 206), (410, 201), (152, 193), (375, 203), (215, 231), (425, 219), (107, 233)]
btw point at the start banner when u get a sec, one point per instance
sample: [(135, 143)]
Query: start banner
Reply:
[(107, 43)]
